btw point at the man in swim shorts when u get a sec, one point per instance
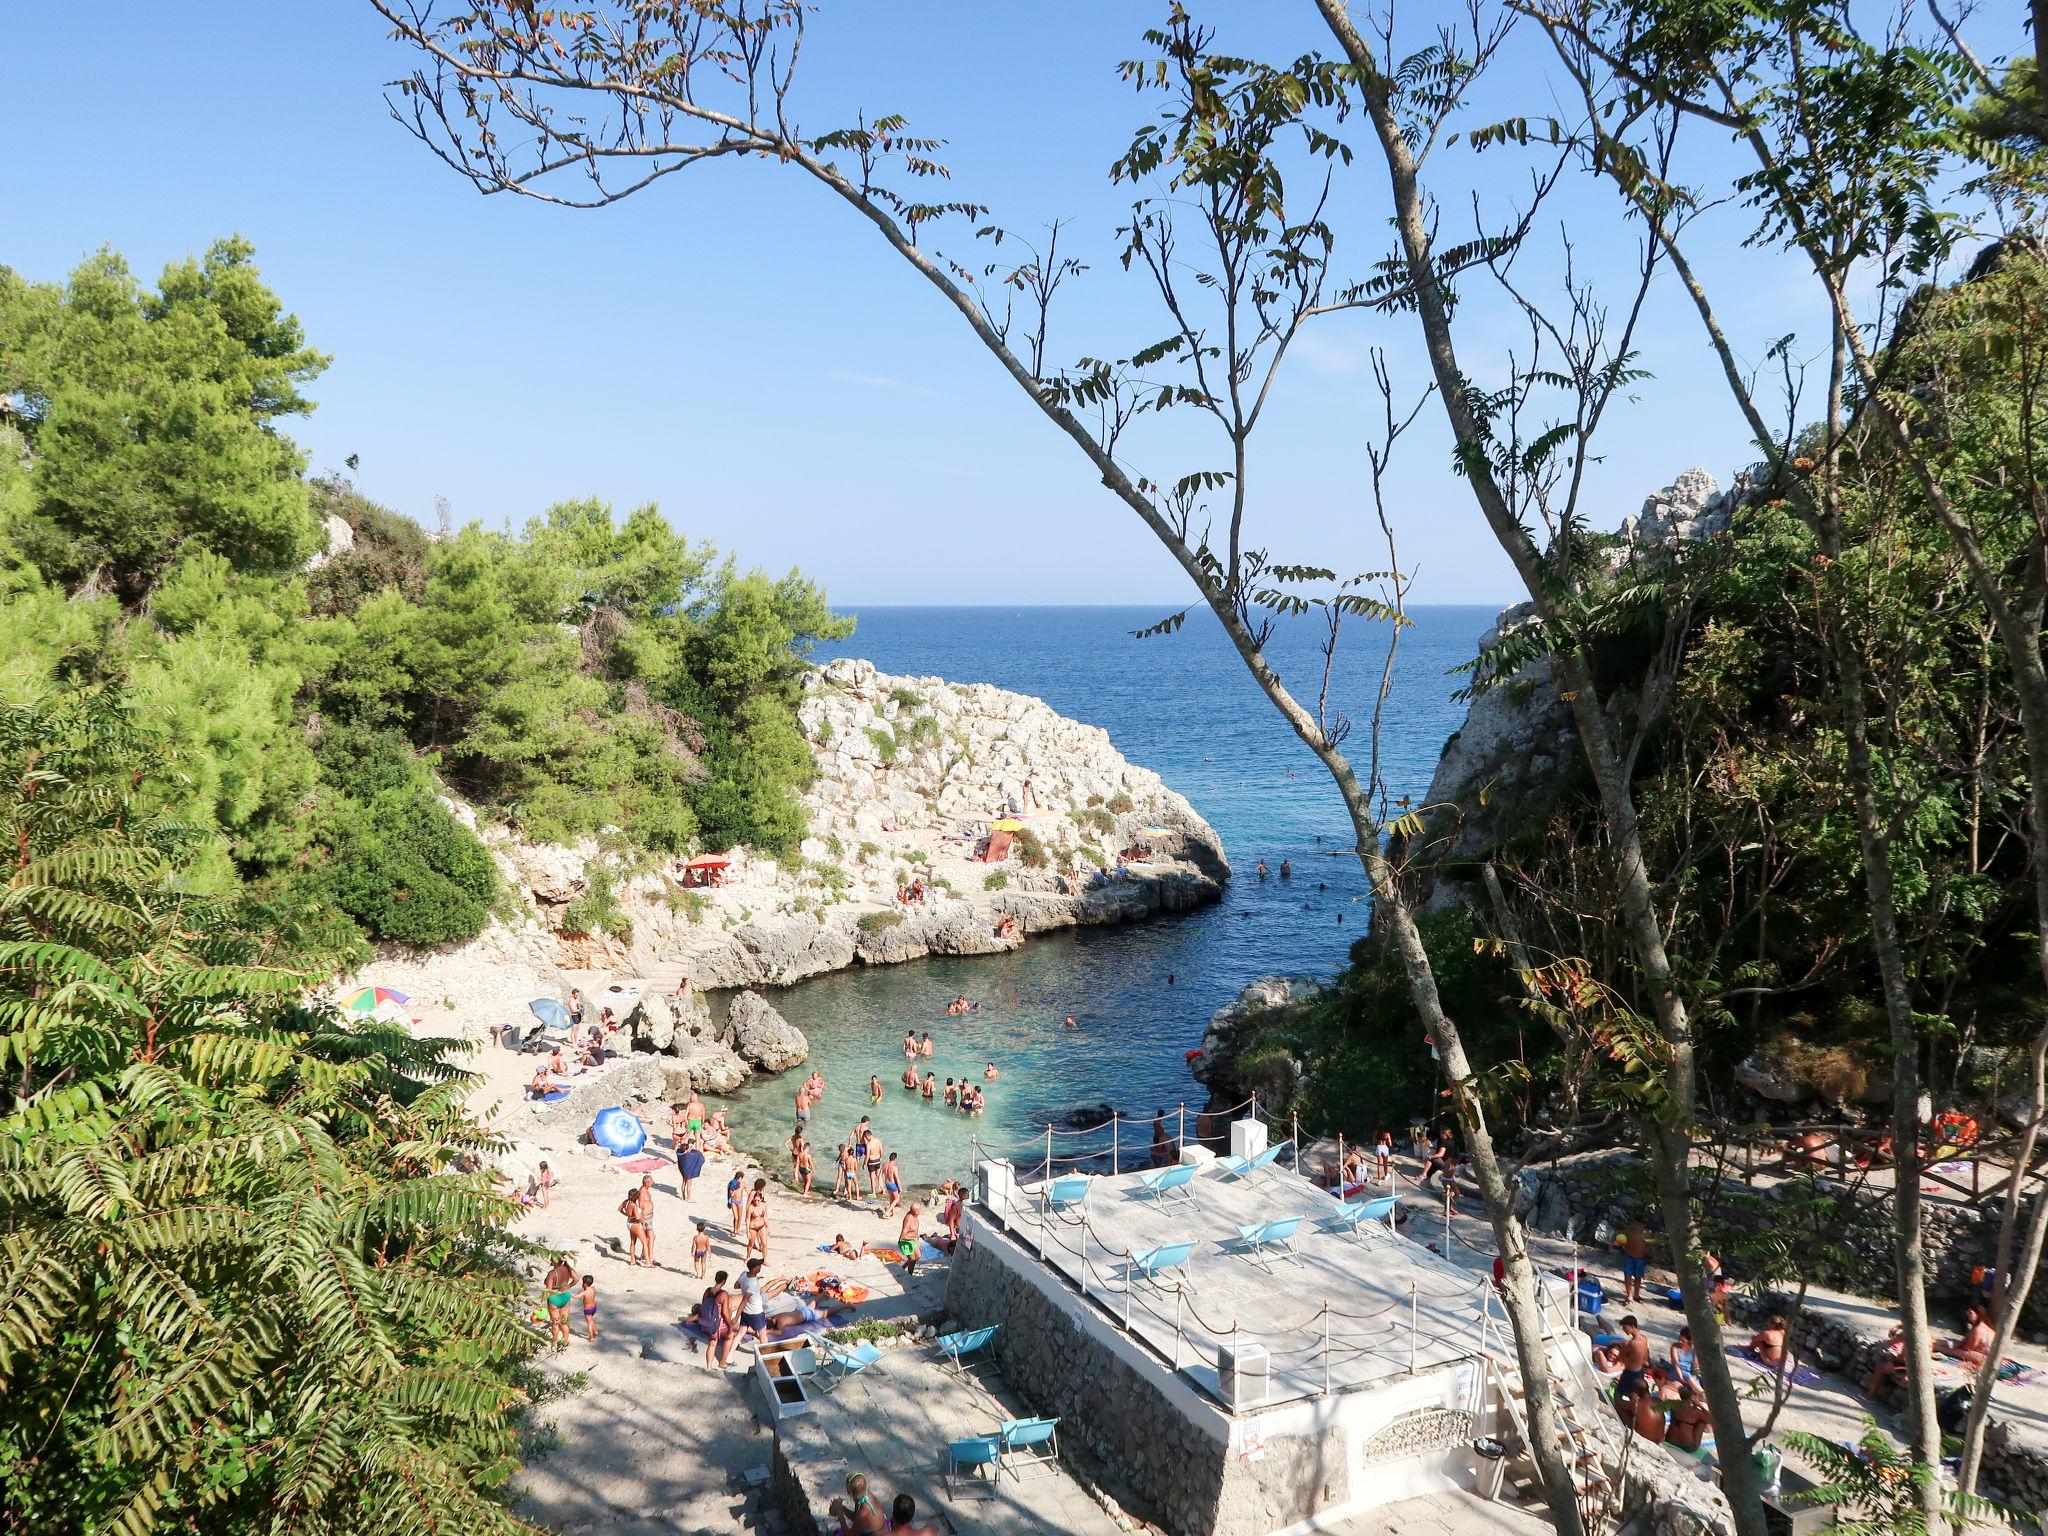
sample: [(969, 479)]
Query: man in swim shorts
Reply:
[(892, 1182), (906, 1239), (1635, 1263), (1634, 1355), (874, 1154), (753, 1301)]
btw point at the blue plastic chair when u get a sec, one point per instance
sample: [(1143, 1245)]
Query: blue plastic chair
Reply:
[(1028, 1443), (837, 1362), (1361, 1213), (1162, 1182), (1069, 1191), (1152, 1262), (1247, 1167), (1266, 1241), (954, 1348), (974, 1462)]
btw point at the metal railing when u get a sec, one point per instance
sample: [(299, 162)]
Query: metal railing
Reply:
[(1324, 1344)]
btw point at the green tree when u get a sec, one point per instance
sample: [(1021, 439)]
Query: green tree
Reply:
[(248, 1285), (151, 418)]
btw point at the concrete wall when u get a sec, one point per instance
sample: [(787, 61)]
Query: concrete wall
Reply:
[(1166, 1450)]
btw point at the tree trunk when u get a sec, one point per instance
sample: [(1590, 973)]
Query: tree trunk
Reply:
[(1670, 1145)]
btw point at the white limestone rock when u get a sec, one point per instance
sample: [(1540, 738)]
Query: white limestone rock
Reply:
[(758, 1034)]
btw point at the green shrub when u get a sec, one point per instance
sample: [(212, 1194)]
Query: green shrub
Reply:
[(1120, 804), (885, 743), (831, 876), (917, 856), (878, 922), (1095, 819), (1030, 849), (995, 881), (835, 847), (410, 873), (905, 698), (869, 850), (597, 910), (1093, 855), (1095, 799)]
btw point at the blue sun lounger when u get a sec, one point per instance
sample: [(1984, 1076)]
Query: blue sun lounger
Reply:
[(1028, 1443), (1162, 1182), (1071, 1190), (1246, 1167), (1265, 1241), (954, 1348), (1363, 1213), (1153, 1262), (837, 1362), (976, 1462)]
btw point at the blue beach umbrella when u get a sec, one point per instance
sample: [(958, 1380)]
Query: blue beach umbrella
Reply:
[(550, 1012)]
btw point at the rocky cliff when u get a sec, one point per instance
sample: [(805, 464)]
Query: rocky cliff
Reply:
[(1518, 732), (911, 772)]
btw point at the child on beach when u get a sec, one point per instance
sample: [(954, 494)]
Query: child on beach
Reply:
[(874, 1090), (892, 1181), (543, 1181), (843, 1189), (700, 1250), (590, 1307), (735, 1199)]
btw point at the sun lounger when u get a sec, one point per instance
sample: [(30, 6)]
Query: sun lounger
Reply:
[(974, 1462), (1069, 1191), (1152, 1262), (1247, 1167), (1358, 1214), (954, 1348), (1028, 1443), (1265, 1241), (837, 1362), (1162, 1182)]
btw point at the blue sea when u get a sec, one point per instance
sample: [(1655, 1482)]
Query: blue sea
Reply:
[(1184, 706)]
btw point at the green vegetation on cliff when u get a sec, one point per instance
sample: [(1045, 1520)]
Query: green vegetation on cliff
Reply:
[(156, 529)]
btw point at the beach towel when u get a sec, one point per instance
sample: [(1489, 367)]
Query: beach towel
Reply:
[(845, 1290), (645, 1163), (1802, 1376), (2019, 1373), (553, 1096)]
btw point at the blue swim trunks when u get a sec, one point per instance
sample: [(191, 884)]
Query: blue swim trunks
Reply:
[(1634, 1269)]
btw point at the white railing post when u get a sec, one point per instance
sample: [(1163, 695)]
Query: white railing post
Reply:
[(1414, 1323), (1116, 1137), (1129, 1284), (1326, 1349), (1048, 1154), (1337, 1184), (1176, 1326), (1180, 1137), (1044, 1213)]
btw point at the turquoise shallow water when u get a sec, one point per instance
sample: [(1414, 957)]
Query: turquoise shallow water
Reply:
[(1183, 706)]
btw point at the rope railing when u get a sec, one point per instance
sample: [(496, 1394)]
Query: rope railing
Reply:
[(1323, 1342)]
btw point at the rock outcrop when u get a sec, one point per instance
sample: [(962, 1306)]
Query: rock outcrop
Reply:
[(1518, 732), (1230, 1030), (762, 1036), (912, 772)]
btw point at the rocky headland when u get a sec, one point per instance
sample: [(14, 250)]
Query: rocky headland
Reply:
[(911, 774)]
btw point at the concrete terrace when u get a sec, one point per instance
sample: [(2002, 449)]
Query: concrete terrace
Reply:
[(1350, 1310), (900, 1414)]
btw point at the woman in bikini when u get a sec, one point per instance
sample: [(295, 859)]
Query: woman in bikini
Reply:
[(560, 1283), (630, 1209), (757, 1221)]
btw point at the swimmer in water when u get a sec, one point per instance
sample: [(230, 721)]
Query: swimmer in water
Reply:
[(1262, 869)]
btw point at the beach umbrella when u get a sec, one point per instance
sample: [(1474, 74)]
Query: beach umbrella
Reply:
[(1007, 824), (366, 1001), (550, 1012)]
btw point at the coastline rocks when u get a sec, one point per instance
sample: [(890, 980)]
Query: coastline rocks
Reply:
[(704, 1066), (661, 1020), (760, 1035), (1231, 1027), (1518, 732)]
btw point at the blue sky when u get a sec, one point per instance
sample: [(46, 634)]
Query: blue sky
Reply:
[(738, 349)]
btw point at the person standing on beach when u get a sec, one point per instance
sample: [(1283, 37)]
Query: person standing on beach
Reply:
[(757, 1220), (645, 1197), (875, 1152), (590, 1307), (689, 1166), (630, 1209), (892, 1181), (559, 1284), (700, 1250), (736, 1200), (1635, 1263), (906, 1239), (806, 1167)]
